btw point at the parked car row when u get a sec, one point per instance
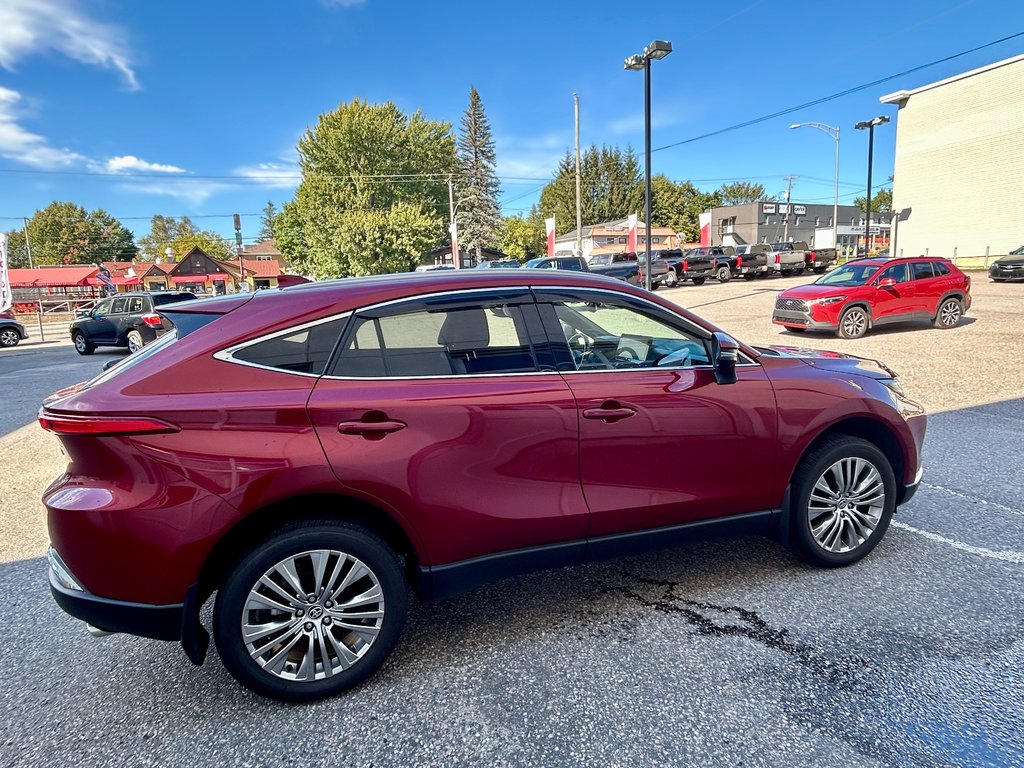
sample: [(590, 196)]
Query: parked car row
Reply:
[(725, 262)]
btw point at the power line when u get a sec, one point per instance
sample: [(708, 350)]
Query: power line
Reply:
[(840, 94)]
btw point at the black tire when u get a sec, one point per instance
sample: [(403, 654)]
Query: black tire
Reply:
[(723, 274), (698, 281), (799, 271), (9, 337), (949, 313), (820, 270), (297, 541), (135, 342), (749, 276), (853, 323), (671, 279), (82, 345), (816, 466)]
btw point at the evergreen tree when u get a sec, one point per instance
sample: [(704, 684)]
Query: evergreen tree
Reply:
[(611, 187), (267, 219), (479, 214)]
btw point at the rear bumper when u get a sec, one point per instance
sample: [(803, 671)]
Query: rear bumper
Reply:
[(160, 622)]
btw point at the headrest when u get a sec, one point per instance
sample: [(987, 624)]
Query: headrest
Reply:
[(464, 330)]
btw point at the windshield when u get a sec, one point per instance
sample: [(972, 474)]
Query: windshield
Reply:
[(849, 275), (597, 261), (534, 263), (1018, 252)]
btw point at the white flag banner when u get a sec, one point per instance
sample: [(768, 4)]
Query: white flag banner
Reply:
[(6, 297)]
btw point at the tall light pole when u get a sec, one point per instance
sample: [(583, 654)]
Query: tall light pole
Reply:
[(869, 125), (658, 49), (832, 131)]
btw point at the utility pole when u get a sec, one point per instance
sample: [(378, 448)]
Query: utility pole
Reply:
[(238, 250), (789, 193), (39, 291), (453, 228), (579, 207)]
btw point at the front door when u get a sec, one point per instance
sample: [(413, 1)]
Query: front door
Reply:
[(894, 301), (442, 410), (661, 443), (99, 326)]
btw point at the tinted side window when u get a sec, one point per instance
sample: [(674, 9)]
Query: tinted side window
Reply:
[(922, 270), (103, 308), (897, 272), (302, 351), (571, 264), (118, 307), (172, 298), (136, 305), (941, 270), (609, 335), (465, 341)]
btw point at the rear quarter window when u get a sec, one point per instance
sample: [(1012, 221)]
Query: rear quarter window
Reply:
[(303, 350)]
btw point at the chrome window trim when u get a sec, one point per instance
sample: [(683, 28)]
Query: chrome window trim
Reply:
[(227, 354)]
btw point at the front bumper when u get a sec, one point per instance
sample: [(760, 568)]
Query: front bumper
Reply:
[(1010, 272), (792, 319), (909, 489)]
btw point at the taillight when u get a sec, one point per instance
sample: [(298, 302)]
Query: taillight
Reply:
[(778, 258), (153, 320), (686, 266), (812, 256), (62, 424), (739, 262)]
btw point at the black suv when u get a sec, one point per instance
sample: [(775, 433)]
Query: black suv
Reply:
[(127, 320)]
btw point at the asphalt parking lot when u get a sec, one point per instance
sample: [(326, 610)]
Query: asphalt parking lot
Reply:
[(715, 654)]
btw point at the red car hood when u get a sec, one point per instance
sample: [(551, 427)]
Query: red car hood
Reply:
[(833, 361), (814, 291)]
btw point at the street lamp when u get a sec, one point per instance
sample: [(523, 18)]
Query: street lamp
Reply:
[(869, 125), (658, 49), (833, 132)]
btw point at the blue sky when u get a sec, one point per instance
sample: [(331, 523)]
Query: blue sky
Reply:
[(195, 107)]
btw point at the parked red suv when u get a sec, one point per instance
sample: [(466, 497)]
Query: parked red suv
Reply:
[(868, 292), (308, 453)]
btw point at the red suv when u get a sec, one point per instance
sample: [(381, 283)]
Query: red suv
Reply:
[(868, 292), (310, 453)]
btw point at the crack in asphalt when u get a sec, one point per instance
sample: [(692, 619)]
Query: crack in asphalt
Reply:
[(712, 620)]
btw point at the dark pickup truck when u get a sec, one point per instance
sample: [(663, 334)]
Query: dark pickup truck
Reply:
[(621, 266), (699, 264), (820, 259)]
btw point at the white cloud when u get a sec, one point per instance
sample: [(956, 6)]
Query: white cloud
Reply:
[(17, 143), (192, 191), (123, 163), (635, 123), (271, 175), (31, 26), (531, 158)]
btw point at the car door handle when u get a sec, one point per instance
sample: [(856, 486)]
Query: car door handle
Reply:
[(609, 414), (370, 429)]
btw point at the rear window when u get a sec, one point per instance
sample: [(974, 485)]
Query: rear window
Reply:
[(941, 270), (304, 350), (160, 299)]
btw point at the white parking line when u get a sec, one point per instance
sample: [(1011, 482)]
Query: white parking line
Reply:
[(1006, 555), (973, 499)]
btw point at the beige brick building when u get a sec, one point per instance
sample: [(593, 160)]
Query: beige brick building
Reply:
[(959, 174)]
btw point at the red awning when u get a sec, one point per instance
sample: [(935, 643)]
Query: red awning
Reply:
[(52, 277), (200, 278)]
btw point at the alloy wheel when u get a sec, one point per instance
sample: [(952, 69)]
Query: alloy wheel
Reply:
[(80, 344), (9, 337), (949, 314), (312, 615), (855, 323), (846, 505)]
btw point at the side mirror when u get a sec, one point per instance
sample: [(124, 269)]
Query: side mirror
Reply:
[(886, 282), (83, 313), (725, 352)]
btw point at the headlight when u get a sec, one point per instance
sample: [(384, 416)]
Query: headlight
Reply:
[(829, 300), (894, 385)]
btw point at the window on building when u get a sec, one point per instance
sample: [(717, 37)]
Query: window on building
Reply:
[(623, 240), (302, 351)]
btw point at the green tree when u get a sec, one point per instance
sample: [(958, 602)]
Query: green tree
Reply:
[(267, 221), (610, 187), (479, 215), (521, 238), (65, 233), (359, 163), (740, 192), (181, 236), (679, 206), (881, 202), (17, 255)]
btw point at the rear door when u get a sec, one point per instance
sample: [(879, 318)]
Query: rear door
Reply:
[(443, 410), (661, 443), (926, 287)]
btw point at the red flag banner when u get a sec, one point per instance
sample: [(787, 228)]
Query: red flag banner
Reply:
[(550, 224), (631, 239)]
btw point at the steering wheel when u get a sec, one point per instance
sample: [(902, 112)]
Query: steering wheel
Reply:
[(581, 340)]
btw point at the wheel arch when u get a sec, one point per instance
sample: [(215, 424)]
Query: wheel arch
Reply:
[(260, 523), (863, 304)]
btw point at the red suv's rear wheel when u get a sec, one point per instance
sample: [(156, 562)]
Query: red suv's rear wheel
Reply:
[(311, 611)]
